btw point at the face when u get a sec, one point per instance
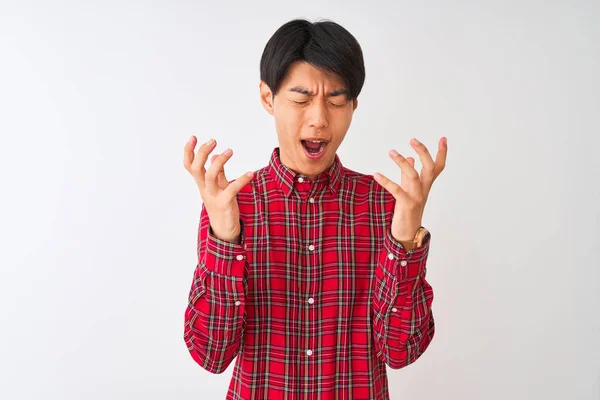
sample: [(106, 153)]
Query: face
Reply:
[(312, 115)]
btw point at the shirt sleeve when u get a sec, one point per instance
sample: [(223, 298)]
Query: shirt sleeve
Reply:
[(215, 314), (403, 324)]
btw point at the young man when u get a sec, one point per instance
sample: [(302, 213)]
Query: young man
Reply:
[(312, 274)]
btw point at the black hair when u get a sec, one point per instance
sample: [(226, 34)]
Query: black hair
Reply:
[(325, 45)]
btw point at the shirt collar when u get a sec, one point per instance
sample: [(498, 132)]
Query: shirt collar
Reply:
[(285, 177)]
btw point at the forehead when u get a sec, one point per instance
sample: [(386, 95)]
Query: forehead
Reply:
[(302, 73)]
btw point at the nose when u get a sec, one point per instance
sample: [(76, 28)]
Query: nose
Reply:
[(318, 117)]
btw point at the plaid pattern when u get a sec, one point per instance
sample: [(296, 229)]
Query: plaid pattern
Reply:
[(317, 298)]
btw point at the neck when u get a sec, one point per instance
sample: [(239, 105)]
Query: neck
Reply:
[(285, 161)]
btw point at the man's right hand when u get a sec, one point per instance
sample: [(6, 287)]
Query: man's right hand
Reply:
[(218, 195)]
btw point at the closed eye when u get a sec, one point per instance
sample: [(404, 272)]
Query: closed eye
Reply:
[(305, 102)]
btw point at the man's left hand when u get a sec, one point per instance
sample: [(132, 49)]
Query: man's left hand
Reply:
[(411, 195)]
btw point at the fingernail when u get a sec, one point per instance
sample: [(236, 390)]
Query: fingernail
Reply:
[(377, 175), (190, 139), (394, 153), (227, 152), (210, 142), (249, 174), (416, 141)]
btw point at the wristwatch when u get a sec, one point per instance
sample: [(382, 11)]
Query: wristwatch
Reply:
[(420, 237)]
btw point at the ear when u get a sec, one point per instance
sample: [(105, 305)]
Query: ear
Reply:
[(266, 97), (355, 104)]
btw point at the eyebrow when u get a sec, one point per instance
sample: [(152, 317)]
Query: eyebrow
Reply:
[(305, 91)]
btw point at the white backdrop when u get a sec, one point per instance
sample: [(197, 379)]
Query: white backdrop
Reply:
[(99, 218)]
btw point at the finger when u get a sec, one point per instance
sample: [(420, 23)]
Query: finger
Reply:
[(404, 182), (188, 152), (221, 178), (212, 175), (440, 158), (390, 186), (237, 185), (424, 190), (428, 165), (197, 167), (411, 180)]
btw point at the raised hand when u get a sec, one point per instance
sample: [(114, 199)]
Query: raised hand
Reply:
[(218, 194), (413, 192)]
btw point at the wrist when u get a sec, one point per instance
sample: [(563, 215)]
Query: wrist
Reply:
[(411, 239), (234, 237), (406, 234)]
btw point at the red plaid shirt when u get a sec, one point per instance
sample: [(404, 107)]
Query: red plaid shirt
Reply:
[(317, 298)]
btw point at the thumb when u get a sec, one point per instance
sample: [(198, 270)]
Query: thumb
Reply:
[(237, 185)]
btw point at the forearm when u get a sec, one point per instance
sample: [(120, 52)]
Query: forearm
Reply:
[(403, 324), (409, 323), (215, 315), (215, 318)]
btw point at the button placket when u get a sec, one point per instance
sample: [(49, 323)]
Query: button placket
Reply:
[(312, 238), (310, 301)]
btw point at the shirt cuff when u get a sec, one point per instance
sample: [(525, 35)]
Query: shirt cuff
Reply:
[(224, 257), (401, 263)]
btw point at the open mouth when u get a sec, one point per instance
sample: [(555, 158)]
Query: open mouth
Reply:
[(314, 148)]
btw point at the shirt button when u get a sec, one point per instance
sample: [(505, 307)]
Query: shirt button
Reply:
[(301, 179), (391, 256), (239, 257), (403, 263), (311, 247), (311, 300), (311, 200), (394, 309), (237, 303), (309, 352)]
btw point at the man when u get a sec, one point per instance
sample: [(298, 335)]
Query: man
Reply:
[(312, 274)]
